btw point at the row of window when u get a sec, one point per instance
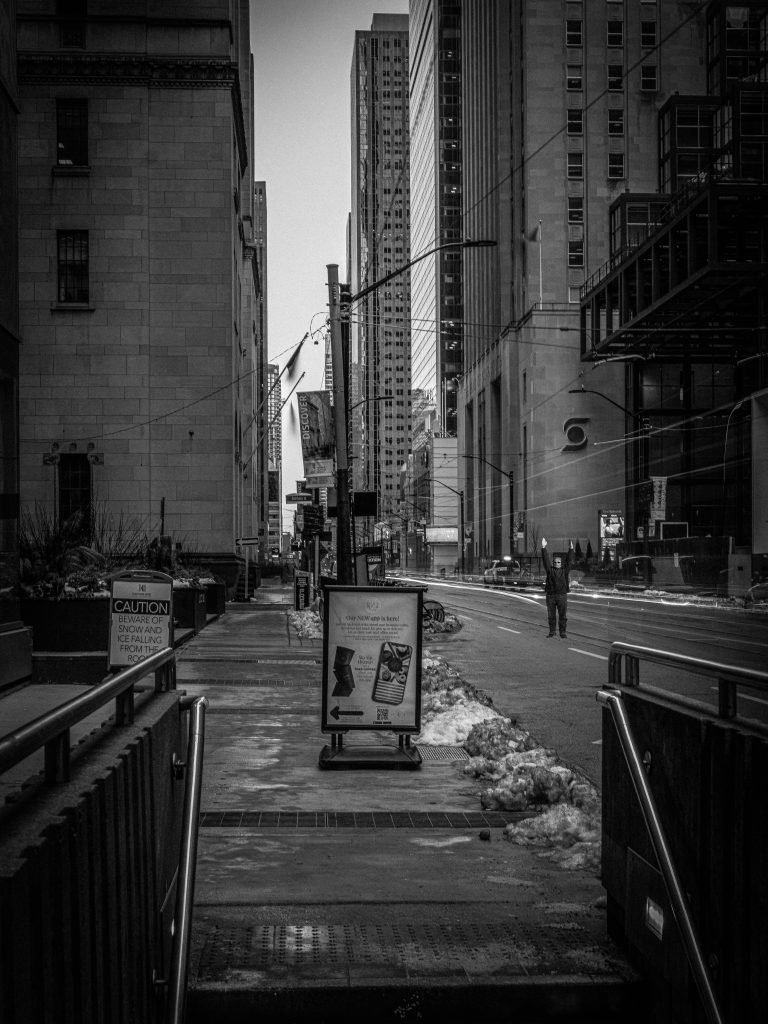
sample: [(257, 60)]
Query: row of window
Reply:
[(574, 33), (649, 77), (576, 165), (575, 121)]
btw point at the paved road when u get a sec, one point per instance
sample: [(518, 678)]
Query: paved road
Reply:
[(549, 685)]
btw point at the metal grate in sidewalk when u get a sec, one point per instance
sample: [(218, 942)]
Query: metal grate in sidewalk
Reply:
[(360, 819)]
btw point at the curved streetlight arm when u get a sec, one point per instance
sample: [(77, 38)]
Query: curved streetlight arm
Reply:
[(468, 243), (589, 391), (508, 473)]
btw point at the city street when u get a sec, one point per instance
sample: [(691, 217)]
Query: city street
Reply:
[(549, 685)]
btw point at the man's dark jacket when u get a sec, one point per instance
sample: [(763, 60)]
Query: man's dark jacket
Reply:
[(556, 581)]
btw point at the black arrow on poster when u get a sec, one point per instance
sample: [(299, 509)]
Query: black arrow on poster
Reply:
[(336, 713)]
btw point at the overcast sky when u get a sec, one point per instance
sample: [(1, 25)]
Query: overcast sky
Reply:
[(302, 56)]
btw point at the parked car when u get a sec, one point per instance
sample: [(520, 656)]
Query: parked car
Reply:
[(503, 573)]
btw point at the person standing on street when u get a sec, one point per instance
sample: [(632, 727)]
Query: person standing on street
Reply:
[(556, 587)]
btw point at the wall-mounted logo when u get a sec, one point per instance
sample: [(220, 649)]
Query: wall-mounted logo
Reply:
[(576, 434)]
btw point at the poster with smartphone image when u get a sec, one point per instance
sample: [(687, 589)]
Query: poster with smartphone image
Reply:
[(372, 659)]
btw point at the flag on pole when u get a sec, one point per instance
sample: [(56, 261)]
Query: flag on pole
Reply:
[(535, 235)]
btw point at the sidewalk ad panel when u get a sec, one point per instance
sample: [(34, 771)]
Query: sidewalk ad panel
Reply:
[(141, 617), (372, 659), (300, 590)]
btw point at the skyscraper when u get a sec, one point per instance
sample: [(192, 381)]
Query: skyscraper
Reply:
[(380, 337), (436, 213), (560, 119)]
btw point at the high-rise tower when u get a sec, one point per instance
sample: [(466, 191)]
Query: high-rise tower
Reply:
[(380, 341)]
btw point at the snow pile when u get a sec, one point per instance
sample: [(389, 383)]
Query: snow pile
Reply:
[(450, 708), (567, 834), (450, 624), (307, 624), (517, 772), (452, 725)]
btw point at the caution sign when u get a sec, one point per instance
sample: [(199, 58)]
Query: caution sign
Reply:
[(372, 659), (141, 617)]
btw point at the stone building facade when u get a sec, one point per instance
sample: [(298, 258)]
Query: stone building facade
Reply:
[(137, 273)]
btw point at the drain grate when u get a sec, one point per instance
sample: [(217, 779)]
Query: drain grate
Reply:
[(470, 949), (262, 709), (240, 681), (359, 819), (442, 753)]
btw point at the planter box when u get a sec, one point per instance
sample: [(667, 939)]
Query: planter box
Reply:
[(215, 598), (77, 625), (189, 607)]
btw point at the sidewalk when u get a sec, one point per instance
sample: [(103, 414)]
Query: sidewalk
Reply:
[(366, 890)]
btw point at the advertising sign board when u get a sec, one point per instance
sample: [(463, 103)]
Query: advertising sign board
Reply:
[(301, 590), (141, 616), (372, 659), (361, 570), (317, 437), (610, 533)]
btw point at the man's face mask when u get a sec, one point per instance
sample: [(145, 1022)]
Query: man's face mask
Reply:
[(557, 562)]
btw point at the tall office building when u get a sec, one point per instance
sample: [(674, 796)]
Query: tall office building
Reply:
[(275, 445), (560, 118), (436, 212), (380, 337), (138, 275), (259, 498)]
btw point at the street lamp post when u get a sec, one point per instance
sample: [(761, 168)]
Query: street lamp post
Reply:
[(461, 506), (510, 475), (344, 568)]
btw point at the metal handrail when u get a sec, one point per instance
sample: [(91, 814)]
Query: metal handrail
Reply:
[(728, 676), (51, 729), (612, 700), (185, 887)]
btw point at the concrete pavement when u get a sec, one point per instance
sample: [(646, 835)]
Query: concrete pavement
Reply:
[(374, 891)]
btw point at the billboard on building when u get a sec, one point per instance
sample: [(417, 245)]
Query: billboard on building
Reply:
[(610, 533)]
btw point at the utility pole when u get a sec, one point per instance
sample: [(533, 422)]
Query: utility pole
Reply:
[(344, 568)]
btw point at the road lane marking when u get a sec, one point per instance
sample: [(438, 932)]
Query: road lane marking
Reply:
[(589, 654), (508, 630)]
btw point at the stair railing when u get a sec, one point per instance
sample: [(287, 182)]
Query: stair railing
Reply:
[(185, 887)]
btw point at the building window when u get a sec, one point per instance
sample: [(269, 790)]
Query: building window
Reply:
[(615, 77), (615, 33), (573, 33), (576, 252), (72, 133), (72, 15), (649, 78), (615, 165), (575, 165), (75, 489), (73, 266), (575, 121), (573, 77), (575, 209), (648, 34), (615, 122)]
